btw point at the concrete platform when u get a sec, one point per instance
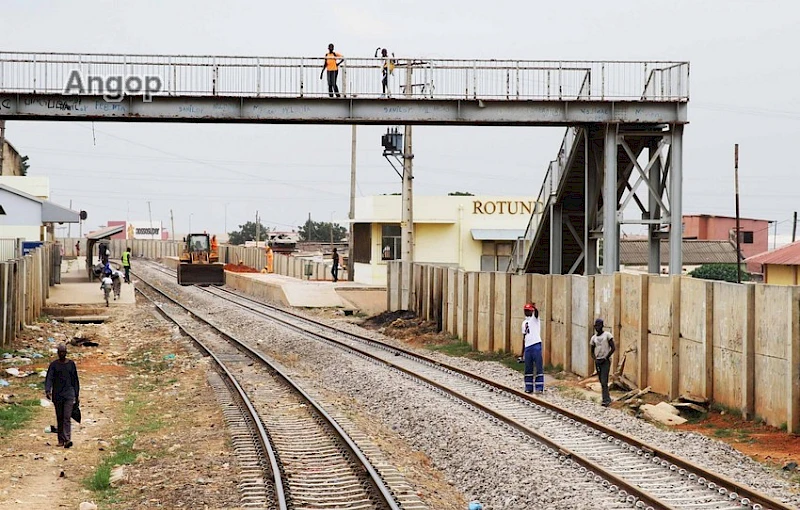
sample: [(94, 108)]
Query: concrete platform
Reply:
[(288, 291), (76, 289)]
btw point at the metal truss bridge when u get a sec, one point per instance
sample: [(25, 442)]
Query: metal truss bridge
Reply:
[(615, 112)]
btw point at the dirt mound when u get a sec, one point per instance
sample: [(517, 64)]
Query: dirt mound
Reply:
[(240, 268)]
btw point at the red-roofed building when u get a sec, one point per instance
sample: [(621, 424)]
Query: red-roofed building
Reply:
[(779, 267), (707, 227)]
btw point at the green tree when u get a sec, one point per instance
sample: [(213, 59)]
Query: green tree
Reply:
[(320, 231), (722, 272), (247, 232), (460, 194), (23, 165)]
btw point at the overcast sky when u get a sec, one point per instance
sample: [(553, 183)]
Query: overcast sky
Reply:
[(745, 88)]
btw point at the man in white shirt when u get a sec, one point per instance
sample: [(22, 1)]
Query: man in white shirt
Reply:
[(532, 349), (602, 345)]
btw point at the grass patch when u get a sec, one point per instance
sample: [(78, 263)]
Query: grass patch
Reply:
[(723, 433), (16, 415), (695, 418), (723, 409), (465, 350), (100, 480)]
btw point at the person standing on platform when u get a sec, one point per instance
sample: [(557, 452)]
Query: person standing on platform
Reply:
[(602, 345), (532, 350), (331, 65), (270, 260), (335, 268), (77, 249), (61, 385), (126, 264)]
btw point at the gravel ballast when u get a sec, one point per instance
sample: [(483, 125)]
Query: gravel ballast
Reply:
[(488, 462)]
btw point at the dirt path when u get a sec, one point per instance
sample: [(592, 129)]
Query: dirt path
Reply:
[(144, 400)]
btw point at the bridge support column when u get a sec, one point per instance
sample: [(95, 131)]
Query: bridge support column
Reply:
[(676, 199), (590, 207), (653, 238), (610, 202), (556, 240)]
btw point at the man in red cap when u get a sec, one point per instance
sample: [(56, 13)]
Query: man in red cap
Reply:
[(532, 349)]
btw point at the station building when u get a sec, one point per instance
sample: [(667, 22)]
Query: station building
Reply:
[(476, 233)]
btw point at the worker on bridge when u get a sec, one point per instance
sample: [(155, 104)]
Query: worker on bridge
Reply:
[(331, 64), (532, 349)]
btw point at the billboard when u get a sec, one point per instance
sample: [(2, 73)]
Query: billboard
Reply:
[(143, 230)]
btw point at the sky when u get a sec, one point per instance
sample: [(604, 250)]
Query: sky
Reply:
[(744, 89)]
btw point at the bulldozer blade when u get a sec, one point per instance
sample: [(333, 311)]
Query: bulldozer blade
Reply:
[(201, 274)]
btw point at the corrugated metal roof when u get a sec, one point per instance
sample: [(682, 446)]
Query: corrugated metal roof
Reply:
[(105, 232), (695, 252), (788, 255)]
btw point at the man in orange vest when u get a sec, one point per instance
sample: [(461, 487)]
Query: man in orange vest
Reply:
[(332, 66), (270, 259)]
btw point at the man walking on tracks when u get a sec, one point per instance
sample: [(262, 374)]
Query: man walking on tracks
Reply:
[(331, 64), (602, 345), (63, 387), (532, 349), (126, 264)]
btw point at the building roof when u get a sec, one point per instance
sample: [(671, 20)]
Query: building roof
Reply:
[(695, 253), (51, 212), (496, 234), (105, 232), (788, 255), (722, 216)]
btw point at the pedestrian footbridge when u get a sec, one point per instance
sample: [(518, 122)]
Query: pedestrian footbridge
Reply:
[(615, 112)]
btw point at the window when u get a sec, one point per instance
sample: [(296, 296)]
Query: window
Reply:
[(496, 255), (362, 243), (390, 242), (747, 236)]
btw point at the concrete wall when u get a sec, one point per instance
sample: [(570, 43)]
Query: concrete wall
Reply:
[(737, 345), (24, 288)]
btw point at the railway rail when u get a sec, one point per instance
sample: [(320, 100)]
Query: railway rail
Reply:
[(640, 474), (311, 461)]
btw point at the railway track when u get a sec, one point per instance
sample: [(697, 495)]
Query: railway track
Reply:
[(640, 474), (310, 461)]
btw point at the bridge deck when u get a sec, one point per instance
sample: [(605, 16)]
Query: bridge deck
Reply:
[(275, 90)]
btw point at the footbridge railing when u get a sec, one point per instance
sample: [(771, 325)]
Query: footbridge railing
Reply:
[(294, 77)]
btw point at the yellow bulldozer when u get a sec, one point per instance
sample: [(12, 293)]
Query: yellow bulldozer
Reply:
[(199, 263)]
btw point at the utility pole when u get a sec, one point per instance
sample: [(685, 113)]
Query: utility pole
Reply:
[(69, 225), (150, 214), (352, 215), (2, 143), (172, 224), (258, 229), (407, 198), (738, 235), (794, 226)]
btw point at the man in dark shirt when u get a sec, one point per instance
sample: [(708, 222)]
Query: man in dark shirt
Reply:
[(335, 268), (62, 387)]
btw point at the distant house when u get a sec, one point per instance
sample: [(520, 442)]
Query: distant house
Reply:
[(707, 227), (778, 267), (634, 253), (25, 216)]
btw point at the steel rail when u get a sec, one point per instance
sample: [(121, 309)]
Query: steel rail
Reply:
[(757, 500), (755, 497), (377, 482), (263, 437)]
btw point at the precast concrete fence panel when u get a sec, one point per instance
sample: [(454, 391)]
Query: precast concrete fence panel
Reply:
[(736, 345)]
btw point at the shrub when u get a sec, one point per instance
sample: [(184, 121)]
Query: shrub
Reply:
[(723, 272)]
